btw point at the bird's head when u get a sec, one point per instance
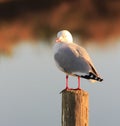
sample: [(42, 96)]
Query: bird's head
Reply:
[(64, 36)]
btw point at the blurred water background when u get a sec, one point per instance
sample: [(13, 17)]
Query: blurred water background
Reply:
[(30, 83)]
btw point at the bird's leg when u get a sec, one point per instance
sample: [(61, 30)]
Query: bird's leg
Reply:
[(67, 82), (78, 82)]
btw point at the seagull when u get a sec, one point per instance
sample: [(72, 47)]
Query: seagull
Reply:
[(73, 59)]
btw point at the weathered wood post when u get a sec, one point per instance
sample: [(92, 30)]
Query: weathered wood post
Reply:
[(74, 108)]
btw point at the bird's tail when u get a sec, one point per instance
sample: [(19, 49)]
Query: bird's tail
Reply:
[(92, 77)]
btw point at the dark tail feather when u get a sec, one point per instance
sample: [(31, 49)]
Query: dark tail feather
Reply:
[(92, 76)]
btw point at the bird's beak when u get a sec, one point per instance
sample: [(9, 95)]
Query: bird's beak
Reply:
[(57, 40)]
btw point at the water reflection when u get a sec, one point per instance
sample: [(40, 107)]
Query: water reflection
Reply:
[(30, 86)]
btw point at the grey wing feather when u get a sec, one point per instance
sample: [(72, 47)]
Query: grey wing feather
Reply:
[(82, 53)]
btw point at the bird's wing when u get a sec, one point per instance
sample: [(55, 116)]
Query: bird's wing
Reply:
[(81, 52)]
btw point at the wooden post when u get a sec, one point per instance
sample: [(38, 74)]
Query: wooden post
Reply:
[(74, 108)]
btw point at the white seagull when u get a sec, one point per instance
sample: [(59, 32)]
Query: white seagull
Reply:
[(73, 59)]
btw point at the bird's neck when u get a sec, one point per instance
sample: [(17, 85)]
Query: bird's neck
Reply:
[(57, 46)]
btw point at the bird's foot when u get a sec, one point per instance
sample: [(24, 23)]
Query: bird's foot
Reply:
[(67, 88), (77, 89)]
